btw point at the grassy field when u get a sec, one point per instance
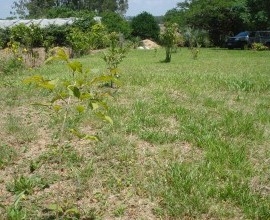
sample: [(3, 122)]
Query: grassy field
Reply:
[(190, 140)]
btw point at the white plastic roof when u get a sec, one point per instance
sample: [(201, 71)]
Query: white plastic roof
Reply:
[(41, 22)]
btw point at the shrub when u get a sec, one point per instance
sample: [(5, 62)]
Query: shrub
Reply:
[(169, 39), (259, 47), (29, 37), (58, 33), (13, 61), (194, 37), (145, 26), (4, 37), (85, 23), (10, 65), (114, 56), (79, 41), (98, 37), (115, 23)]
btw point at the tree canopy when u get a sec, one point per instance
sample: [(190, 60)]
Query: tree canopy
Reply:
[(221, 17), (41, 8), (145, 26)]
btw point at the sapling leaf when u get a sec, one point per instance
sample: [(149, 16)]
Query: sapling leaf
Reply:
[(57, 108), (75, 66), (60, 56), (75, 91), (72, 211), (86, 96), (84, 136), (102, 79), (114, 71), (47, 85), (104, 117), (92, 138), (76, 133), (94, 106), (55, 98), (33, 79), (80, 108), (55, 207), (108, 119)]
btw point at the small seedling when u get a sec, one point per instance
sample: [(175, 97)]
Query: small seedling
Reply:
[(7, 154), (15, 211), (113, 57), (22, 184), (75, 95), (169, 40)]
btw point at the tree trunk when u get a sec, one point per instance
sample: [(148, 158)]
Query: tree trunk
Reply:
[(168, 55)]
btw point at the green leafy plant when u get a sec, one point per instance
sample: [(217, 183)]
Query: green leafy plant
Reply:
[(195, 51), (98, 36), (114, 22), (169, 39), (13, 60), (79, 42), (29, 37), (114, 56), (15, 211), (75, 95), (22, 184), (145, 26), (64, 210), (7, 154), (195, 39), (259, 47)]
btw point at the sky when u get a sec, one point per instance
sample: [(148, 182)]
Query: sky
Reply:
[(155, 7)]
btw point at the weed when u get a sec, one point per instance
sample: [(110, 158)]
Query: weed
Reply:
[(65, 210), (23, 184), (7, 155), (15, 211), (119, 211), (114, 56)]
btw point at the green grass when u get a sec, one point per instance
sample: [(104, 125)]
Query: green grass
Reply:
[(190, 139)]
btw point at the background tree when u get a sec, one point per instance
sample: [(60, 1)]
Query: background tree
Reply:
[(259, 17), (145, 26), (115, 23), (175, 16), (221, 17), (40, 8)]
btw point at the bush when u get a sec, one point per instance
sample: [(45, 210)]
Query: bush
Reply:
[(259, 47), (12, 60), (98, 37), (85, 23), (115, 23), (145, 26), (4, 37), (79, 41), (195, 37), (28, 36), (58, 34)]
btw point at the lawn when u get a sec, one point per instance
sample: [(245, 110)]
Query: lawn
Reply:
[(190, 140)]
